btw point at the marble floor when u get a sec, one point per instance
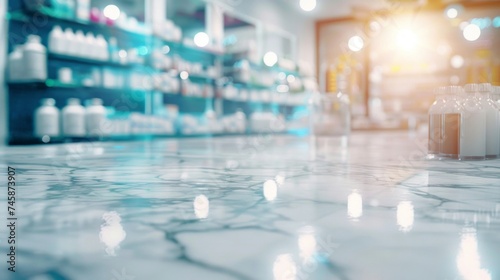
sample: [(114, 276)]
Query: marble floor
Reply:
[(264, 207)]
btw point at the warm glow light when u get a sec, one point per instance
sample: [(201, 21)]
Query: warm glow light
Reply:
[(405, 215), (451, 13), (284, 268), (184, 75), (307, 5), (270, 59), (270, 190), (472, 32), (406, 39), (201, 207), (201, 39), (112, 12), (290, 78), (355, 43), (457, 61), (354, 205)]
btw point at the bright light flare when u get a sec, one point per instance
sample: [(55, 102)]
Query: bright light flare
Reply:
[(307, 5), (270, 59), (406, 39), (472, 32), (451, 13), (405, 215), (356, 43), (201, 39), (112, 12)]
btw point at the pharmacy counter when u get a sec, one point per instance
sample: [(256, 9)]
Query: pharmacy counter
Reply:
[(268, 207)]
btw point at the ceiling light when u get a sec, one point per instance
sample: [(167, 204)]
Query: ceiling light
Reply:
[(451, 13), (472, 32), (112, 12), (307, 5), (201, 39), (355, 43), (270, 59)]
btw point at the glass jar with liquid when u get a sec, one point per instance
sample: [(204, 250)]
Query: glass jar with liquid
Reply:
[(449, 144), (435, 123)]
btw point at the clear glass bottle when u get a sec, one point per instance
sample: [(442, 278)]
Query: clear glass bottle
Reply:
[(330, 114), (492, 120), (473, 126), (450, 123), (496, 99), (47, 119), (73, 120), (435, 123)]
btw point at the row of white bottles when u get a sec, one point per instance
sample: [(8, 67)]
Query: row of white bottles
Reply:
[(464, 123), (74, 120), (28, 62), (78, 44)]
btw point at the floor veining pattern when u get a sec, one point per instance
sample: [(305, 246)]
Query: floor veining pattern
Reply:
[(264, 207)]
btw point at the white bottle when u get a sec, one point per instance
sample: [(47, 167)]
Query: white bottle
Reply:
[(81, 41), (91, 46), (473, 126), (70, 42), (95, 115), (492, 121), (83, 10), (73, 119), (113, 50), (102, 47), (35, 59), (56, 40), (16, 64), (47, 119)]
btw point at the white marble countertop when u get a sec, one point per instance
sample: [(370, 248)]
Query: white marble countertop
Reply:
[(200, 209)]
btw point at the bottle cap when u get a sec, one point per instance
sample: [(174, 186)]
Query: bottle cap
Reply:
[(48, 102), (34, 38), (73, 101), (96, 101)]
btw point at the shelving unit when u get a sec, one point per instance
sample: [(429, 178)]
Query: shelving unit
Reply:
[(24, 96)]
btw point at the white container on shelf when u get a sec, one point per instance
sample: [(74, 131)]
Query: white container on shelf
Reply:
[(73, 119), (70, 44), (46, 120), (16, 64), (57, 40), (83, 10), (81, 41), (35, 59), (95, 115), (91, 46), (102, 47)]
